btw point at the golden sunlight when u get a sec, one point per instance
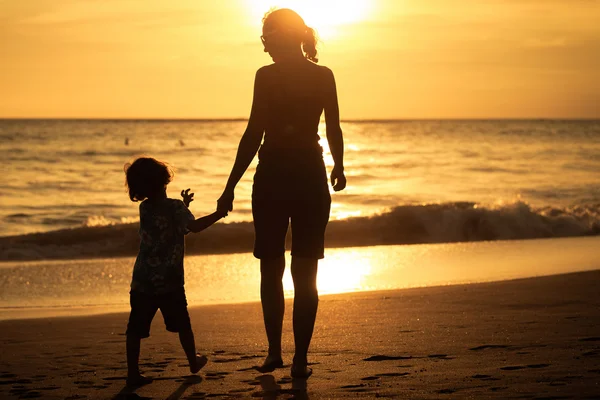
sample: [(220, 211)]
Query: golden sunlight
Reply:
[(324, 16), (340, 272)]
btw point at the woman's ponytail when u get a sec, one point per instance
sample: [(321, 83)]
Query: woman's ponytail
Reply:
[(309, 44)]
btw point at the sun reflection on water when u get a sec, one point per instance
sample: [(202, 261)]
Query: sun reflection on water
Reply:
[(338, 273)]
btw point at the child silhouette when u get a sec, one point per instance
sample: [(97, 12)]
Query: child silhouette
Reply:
[(158, 276)]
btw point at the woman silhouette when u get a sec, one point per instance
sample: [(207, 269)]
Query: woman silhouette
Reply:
[(290, 181)]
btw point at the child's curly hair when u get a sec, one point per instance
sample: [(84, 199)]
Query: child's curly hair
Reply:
[(146, 176)]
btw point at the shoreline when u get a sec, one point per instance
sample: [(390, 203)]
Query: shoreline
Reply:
[(96, 286), (118, 309), (488, 340)]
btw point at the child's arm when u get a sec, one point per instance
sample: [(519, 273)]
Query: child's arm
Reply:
[(201, 224)]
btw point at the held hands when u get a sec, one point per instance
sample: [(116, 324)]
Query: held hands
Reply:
[(338, 179), (225, 202), (187, 197)]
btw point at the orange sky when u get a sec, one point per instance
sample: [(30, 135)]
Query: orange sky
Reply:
[(392, 58)]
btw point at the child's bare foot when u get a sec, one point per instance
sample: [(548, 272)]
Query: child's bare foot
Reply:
[(138, 380), (200, 362)]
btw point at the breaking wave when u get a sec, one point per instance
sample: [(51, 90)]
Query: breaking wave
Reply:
[(405, 224)]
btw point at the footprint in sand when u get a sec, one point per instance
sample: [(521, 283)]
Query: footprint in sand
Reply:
[(489, 346), (447, 391), (513, 368), (592, 353), (484, 377), (243, 390), (393, 374), (594, 371), (28, 394), (518, 367), (360, 388), (115, 378), (590, 339), (381, 357), (440, 356), (538, 365), (370, 378), (223, 360), (352, 386), (213, 376), (252, 382), (195, 395), (48, 388)]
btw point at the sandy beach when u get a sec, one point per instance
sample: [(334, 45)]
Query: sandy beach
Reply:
[(532, 338)]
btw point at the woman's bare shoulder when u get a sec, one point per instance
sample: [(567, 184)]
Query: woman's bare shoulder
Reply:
[(265, 69), (324, 71)]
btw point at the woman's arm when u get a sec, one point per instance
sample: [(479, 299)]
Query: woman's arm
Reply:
[(334, 132), (249, 144)]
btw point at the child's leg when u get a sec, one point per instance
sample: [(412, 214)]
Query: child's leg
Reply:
[(143, 309), (134, 378), (186, 337), (133, 355), (173, 307)]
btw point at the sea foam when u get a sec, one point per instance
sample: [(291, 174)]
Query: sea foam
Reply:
[(404, 224)]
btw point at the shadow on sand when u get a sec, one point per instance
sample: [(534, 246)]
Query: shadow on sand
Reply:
[(271, 389), (128, 393)]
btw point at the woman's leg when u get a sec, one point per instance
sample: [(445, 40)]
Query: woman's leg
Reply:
[(273, 305), (306, 301)]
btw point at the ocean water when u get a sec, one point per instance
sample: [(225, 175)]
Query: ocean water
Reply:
[(61, 174), (82, 287), (68, 231)]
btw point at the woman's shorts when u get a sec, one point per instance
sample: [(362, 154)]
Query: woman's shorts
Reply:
[(290, 190), (172, 305)]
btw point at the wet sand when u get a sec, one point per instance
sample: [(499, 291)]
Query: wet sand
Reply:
[(535, 338)]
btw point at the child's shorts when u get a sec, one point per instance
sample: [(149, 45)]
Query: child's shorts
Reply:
[(172, 305)]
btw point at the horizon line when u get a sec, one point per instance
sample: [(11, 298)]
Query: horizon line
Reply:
[(354, 120)]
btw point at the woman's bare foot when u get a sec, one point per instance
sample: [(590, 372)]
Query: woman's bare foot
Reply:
[(301, 371), (271, 363), (200, 362), (138, 380)]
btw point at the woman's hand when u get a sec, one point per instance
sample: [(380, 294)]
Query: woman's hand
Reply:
[(338, 179), (187, 197), (225, 202)]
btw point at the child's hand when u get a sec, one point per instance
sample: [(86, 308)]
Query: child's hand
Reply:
[(222, 213), (187, 197)]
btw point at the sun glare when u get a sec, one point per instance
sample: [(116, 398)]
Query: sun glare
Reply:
[(326, 16), (339, 272)]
